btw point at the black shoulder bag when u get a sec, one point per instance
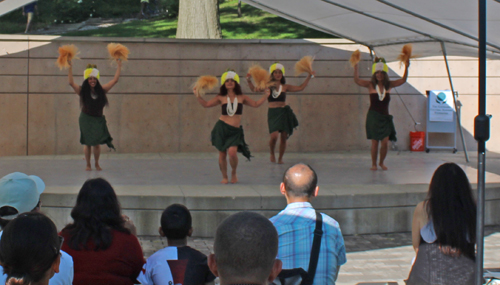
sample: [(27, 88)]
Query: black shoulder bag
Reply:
[(298, 276)]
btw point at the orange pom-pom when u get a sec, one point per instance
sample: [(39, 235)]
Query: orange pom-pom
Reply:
[(355, 58), (260, 76), (405, 54), (118, 51), (66, 53), (204, 84), (304, 65)]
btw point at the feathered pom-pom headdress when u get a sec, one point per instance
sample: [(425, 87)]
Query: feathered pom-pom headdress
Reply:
[(260, 76), (355, 58), (204, 84), (66, 53), (304, 65), (118, 51), (405, 54)]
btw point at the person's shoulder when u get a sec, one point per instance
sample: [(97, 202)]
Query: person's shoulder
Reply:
[(66, 258), (191, 252), (162, 254), (330, 221)]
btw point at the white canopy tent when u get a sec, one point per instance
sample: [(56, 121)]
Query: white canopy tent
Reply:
[(385, 25)]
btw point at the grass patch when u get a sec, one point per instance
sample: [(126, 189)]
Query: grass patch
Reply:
[(254, 24)]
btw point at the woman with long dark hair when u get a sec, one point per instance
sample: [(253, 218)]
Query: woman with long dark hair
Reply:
[(280, 117), (444, 230), (30, 250), (227, 134), (379, 124), (93, 99), (104, 250)]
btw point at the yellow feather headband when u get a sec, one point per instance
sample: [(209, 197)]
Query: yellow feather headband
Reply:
[(229, 75), (91, 71), (379, 65), (275, 66)]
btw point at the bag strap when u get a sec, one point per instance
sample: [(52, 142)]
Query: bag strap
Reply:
[(313, 261)]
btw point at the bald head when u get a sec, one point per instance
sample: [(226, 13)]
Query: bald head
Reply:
[(300, 180)]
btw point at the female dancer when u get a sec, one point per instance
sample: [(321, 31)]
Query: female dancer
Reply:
[(280, 117), (444, 230), (227, 134), (379, 124), (93, 128)]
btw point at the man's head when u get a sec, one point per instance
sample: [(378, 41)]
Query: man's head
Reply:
[(300, 182), (245, 249), (176, 222), (19, 193)]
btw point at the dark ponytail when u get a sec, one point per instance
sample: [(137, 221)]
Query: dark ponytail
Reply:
[(29, 247)]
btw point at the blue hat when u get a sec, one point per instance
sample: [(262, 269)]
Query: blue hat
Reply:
[(21, 192)]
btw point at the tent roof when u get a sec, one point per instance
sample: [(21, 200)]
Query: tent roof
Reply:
[(386, 25)]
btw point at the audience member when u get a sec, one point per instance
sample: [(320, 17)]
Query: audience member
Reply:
[(177, 263), (296, 225), (444, 230), (20, 193), (103, 249), (29, 11), (245, 249), (27, 258)]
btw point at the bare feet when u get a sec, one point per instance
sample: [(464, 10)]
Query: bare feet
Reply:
[(273, 158), (280, 161), (234, 178), (383, 166), (374, 167), (88, 168), (97, 167), (224, 180)]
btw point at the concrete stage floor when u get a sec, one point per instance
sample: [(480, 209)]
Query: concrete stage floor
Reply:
[(363, 201)]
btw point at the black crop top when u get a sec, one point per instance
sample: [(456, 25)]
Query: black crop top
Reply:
[(381, 107), (239, 110), (281, 98)]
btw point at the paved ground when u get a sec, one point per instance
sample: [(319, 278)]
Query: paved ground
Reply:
[(375, 259)]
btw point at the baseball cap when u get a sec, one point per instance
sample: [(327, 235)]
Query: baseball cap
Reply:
[(20, 191)]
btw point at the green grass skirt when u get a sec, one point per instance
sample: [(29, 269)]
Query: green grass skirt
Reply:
[(94, 131), (379, 126), (282, 120), (225, 136)]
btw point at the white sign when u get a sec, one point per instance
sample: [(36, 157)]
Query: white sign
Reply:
[(441, 106)]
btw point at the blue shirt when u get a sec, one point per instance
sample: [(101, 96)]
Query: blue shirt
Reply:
[(295, 226)]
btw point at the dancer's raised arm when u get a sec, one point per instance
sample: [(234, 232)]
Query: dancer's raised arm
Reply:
[(112, 83), (206, 104), (293, 88), (250, 84), (249, 102), (357, 80), (71, 80), (402, 80)]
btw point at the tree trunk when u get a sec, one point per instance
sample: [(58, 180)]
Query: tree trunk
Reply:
[(239, 8), (198, 19)]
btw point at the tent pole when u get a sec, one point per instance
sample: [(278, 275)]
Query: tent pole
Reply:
[(459, 121), (481, 134)]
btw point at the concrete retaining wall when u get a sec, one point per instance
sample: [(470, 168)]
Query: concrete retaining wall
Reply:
[(152, 108)]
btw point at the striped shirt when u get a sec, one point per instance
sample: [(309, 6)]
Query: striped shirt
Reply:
[(295, 226)]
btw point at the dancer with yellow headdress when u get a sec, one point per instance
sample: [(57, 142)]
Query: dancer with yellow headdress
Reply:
[(379, 124), (227, 134), (280, 117), (93, 99)]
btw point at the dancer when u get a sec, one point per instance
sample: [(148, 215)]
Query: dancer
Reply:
[(93, 127), (280, 117), (379, 124), (227, 134)]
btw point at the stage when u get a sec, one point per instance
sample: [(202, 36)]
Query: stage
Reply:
[(361, 200)]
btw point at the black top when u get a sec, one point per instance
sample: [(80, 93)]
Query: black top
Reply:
[(378, 106), (280, 98), (95, 108), (190, 268), (239, 110)]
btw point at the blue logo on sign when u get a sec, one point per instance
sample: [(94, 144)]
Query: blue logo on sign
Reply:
[(441, 98)]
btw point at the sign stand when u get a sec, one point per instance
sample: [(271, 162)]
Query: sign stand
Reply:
[(441, 117)]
